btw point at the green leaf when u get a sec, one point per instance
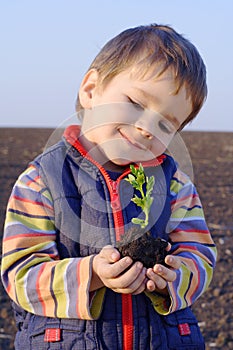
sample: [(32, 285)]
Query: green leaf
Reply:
[(149, 201), (138, 222), (133, 169), (141, 179), (131, 177), (138, 201), (141, 169), (150, 185)]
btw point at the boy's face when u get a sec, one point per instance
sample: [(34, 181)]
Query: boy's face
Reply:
[(131, 119)]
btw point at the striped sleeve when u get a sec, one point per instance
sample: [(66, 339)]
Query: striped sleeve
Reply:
[(192, 242), (32, 273)]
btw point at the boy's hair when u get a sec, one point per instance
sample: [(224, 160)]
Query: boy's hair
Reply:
[(148, 46)]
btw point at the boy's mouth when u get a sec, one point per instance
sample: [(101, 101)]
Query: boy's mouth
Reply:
[(132, 142)]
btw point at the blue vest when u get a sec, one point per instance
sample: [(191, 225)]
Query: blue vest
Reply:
[(82, 206)]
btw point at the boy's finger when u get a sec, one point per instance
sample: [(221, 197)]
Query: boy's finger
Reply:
[(173, 261), (132, 280), (141, 288), (150, 285), (133, 283), (110, 253), (169, 275), (125, 279), (168, 247), (156, 281), (114, 270)]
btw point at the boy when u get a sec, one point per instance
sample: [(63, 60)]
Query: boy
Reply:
[(70, 287)]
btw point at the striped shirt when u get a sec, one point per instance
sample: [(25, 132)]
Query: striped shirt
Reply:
[(36, 279)]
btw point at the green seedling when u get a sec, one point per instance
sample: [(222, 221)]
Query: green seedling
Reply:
[(137, 179)]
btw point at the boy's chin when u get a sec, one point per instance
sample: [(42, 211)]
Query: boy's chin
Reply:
[(119, 160), (121, 154)]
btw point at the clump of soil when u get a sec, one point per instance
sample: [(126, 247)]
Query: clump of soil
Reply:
[(145, 248)]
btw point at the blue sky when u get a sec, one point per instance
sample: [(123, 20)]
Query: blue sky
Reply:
[(46, 47)]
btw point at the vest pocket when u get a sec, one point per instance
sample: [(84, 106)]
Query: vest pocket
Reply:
[(56, 334), (182, 331)]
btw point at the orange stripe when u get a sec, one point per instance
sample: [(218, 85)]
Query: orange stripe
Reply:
[(26, 200), (49, 305), (8, 289), (18, 242), (173, 295), (194, 251), (30, 235), (38, 289), (33, 180), (189, 236), (192, 199), (78, 282), (195, 280), (83, 293), (31, 208)]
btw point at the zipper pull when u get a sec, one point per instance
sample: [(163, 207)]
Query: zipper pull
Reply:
[(115, 200)]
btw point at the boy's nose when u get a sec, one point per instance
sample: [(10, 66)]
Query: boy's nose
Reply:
[(145, 127), (145, 133)]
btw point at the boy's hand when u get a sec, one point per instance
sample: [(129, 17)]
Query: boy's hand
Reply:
[(109, 270), (160, 275)]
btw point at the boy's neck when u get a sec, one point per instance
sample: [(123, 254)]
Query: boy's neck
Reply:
[(110, 166)]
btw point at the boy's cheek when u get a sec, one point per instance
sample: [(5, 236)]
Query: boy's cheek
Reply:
[(111, 113)]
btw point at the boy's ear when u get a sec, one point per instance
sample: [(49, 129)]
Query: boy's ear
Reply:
[(87, 88)]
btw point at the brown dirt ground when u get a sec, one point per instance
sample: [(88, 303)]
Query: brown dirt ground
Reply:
[(212, 159)]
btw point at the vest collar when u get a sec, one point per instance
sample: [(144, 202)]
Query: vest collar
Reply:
[(71, 135)]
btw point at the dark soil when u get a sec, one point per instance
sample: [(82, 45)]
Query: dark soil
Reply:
[(146, 249), (212, 159)]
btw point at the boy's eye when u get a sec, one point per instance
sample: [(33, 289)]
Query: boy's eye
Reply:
[(165, 127), (135, 104)]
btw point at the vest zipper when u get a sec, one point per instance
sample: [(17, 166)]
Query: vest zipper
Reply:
[(116, 208), (126, 299)]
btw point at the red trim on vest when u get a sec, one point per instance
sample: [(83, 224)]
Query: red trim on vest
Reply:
[(184, 329), (127, 321), (52, 335)]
